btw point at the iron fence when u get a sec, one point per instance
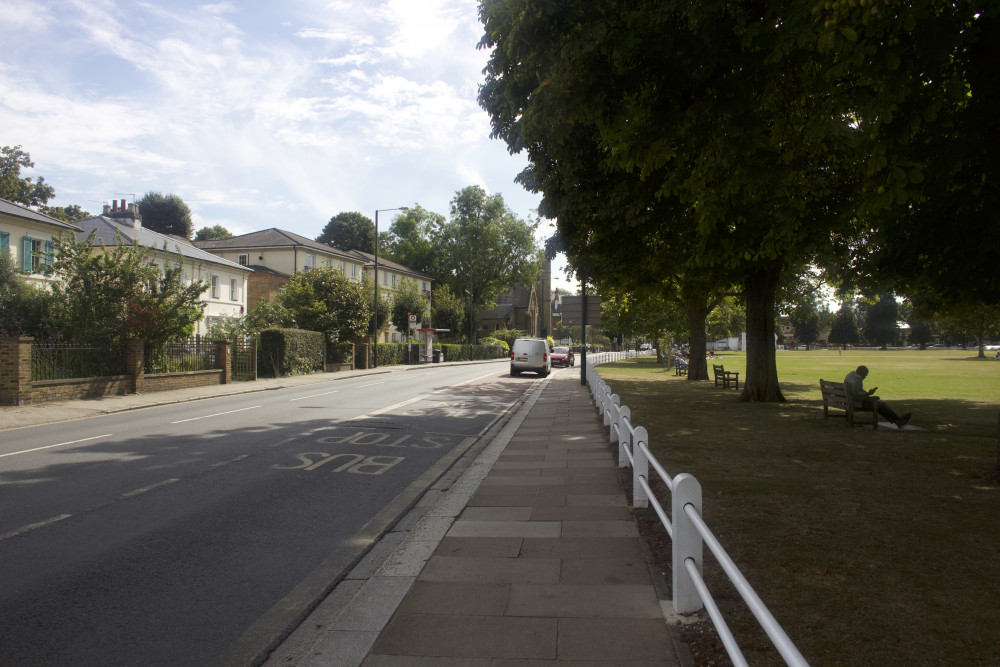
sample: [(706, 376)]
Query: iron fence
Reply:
[(62, 361), (243, 356), (190, 354)]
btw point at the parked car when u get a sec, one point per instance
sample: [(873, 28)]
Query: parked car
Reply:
[(563, 356), (530, 354)]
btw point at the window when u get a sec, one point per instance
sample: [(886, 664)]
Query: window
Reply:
[(234, 290), (310, 261), (354, 270), (35, 254), (343, 267), (243, 259), (4, 243), (215, 287), (385, 278), (423, 285)]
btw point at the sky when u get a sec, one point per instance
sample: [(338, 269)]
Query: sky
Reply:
[(258, 114)]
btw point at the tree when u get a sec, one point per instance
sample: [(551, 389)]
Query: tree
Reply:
[(408, 241), (166, 214), (113, 294), (324, 299), (448, 311), (212, 233), (487, 249), (407, 299), (682, 103), (880, 320), (805, 319), (20, 190), (844, 329), (69, 213), (977, 321), (25, 310), (349, 231)]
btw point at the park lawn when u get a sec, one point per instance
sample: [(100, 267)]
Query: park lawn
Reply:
[(870, 547)]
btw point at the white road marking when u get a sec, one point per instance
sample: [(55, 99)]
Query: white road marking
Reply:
[(149, 488), (313, 396), (61, 444), (40, 524), (217, 414), (371, 384), (238, 458)]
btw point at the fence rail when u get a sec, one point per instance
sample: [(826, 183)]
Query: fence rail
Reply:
[(684, 523), (189, 354), (64, 361)]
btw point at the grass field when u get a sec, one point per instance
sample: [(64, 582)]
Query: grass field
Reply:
[(870, 547)]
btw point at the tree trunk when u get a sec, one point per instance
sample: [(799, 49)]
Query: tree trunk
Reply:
[(697, 312), (761, 383)]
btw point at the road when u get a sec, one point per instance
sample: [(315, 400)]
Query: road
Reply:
[(199, 532)]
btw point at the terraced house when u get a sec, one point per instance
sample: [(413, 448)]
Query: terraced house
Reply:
[(275, 255), (227, 281)]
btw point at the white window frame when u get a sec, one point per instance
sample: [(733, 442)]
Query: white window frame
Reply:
[(215, 286), (243, 259), (234, 289), (310, 261)]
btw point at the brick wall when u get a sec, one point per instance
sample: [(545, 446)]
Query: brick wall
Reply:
[(263, 286), (17, 388)]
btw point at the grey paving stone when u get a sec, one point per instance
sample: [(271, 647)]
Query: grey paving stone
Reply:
[(339, 649), (371, 608), (492, 570), (505, 529), (460, 598), (600, 529), (478, 547), (496, 514), (581, 547), (469, 637), (617, 513), (416, 661), (584, 601), (614, 640), (596, 571), (598, 500)]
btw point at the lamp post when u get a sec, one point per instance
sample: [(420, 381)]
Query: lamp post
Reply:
[(375, 321)]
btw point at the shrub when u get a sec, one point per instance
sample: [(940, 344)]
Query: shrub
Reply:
[(292, 351)]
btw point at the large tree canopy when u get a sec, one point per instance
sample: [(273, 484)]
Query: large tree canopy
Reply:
[(166, 214), (349, 230), (749, 138), (324, 299), (14, 187)]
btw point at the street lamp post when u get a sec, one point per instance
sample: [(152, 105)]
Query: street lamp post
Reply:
[(375, 321)]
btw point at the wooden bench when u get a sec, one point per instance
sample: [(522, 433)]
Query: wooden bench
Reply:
[(837, 395), (727, 378), (679, 368)]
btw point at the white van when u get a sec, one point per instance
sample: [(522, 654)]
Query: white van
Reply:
[(530, 354)]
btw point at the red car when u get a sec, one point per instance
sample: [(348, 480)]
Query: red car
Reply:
[(563, 356)]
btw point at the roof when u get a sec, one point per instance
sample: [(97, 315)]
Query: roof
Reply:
[(18, 211), (269, 238), (108, 231), (503, 311), (369, 259)]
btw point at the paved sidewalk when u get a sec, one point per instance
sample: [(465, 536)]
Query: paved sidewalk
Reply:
[(531, 558)]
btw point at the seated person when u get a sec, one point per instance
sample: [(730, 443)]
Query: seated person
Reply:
[(855, 381)]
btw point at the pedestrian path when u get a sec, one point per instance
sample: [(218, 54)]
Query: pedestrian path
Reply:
[(532, 558)]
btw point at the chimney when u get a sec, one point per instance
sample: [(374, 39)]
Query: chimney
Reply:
[(126, 213)]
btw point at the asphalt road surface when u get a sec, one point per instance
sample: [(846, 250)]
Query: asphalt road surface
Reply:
[(200, 532)]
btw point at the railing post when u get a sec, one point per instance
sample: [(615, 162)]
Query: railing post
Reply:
[(687, 543), (613, 399), (640, 468), (624, 435), (224, 361)]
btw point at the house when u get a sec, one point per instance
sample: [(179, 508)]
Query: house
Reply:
[(227, 281), (275, 254), (27, 236)]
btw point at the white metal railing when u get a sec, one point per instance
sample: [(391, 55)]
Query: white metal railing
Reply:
[(684, 523)]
